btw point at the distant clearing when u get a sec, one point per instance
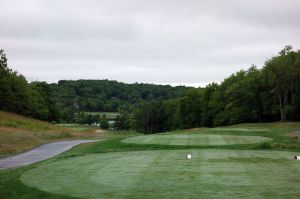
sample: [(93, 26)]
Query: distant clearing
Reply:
[(195, 139), (108, 115)]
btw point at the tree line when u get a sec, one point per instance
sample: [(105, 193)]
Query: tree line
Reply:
[(60, 102), (267, 94), (122, 121), (34, 99)]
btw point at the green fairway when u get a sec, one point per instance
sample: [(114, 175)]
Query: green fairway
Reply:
[(227, 162), (241, 129), (195, 139), (168, 174)]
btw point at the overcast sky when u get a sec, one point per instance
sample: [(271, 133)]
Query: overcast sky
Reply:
[(152, 41)]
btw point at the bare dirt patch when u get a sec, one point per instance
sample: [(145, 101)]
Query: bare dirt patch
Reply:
[(99, 131)]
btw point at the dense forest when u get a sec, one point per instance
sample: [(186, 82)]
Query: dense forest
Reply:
[(34, 99), (266, 94), (108, 96), (269, 94)]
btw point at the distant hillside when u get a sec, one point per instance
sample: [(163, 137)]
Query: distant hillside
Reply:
[(18, 133), (109, 96), (58, 102)]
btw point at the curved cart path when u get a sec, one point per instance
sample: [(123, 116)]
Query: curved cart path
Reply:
[(39, 153)]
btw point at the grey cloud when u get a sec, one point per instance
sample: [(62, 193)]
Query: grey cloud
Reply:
[(159, 41)]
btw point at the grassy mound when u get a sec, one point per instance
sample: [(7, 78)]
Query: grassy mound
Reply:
[(195, 139), (168, 174)]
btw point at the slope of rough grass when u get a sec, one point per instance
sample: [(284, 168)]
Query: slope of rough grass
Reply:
[(168, 174), (195, 139), (19, 133), (80, 127), (12, 120)]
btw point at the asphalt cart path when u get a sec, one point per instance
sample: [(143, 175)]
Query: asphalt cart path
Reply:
[(39, 153)]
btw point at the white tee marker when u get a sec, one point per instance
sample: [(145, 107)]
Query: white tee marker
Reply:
[(189, 156), (297, 157)]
